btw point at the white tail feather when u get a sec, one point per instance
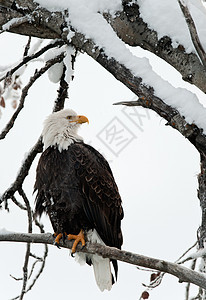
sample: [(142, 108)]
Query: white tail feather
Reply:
[(101, 266), (102, 272)]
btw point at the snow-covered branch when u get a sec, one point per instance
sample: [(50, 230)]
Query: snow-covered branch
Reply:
[(193, 32), (184, 274), (129, 26)]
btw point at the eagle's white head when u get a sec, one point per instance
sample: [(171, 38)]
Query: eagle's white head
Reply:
[(60, 129)]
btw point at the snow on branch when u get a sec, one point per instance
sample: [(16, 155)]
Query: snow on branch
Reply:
[(28, 58), (193, 32), (14, 23), (184, 274), (127, 23)]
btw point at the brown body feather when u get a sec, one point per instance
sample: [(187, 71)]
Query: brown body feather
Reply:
[(77, 190)]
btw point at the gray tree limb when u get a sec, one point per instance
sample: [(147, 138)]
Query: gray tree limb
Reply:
[(184, 274)]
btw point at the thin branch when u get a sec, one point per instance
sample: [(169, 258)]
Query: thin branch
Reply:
[(184, 274), (38, 258), (26, 49), (33, 266), (27, 59), (16, 202), (62, 92), (193, 33), (17, 279), (190, 248), (28, 248), (173, 118), (23, 172), (25, 90), (155, 281), (28, 208), (41, 269), (187, 294), (42, 259)]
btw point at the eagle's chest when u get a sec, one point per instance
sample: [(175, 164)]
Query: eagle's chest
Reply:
[(66, 210)]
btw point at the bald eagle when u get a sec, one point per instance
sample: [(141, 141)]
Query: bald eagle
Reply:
[(76, 188)]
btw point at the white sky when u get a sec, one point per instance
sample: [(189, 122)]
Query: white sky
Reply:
[(156, 175)]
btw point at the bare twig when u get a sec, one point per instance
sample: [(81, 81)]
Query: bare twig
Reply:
[(187, 294), (157, 277), (26, 274), (26, 49), (28, 208), (184, 274), (62, 93), (179, 259), (16, 202), (27, 255), (193, 33), (41, 269), (27, 59), (17, 279), (25, 90), (33, 266)]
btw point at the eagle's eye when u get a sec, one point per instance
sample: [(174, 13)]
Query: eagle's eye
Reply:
[(68, 117)]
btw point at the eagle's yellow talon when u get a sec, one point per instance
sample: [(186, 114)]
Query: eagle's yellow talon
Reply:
[(78, 238)]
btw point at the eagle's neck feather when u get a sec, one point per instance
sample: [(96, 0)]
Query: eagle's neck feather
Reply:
[(62, 140)]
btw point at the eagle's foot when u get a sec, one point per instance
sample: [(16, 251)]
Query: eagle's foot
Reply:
[(58, 237), (77, 238)]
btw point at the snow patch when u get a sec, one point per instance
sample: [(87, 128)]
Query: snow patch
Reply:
[(4, 231), (160, 16), (68, 63), (55, 72)]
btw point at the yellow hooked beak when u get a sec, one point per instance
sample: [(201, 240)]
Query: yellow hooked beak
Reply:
[(80, 119)]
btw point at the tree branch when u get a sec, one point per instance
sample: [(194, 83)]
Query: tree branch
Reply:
[(27, 59), (132, 29), (128, 25), (23, 172), (28, 247), (184, 274), (193, 33)]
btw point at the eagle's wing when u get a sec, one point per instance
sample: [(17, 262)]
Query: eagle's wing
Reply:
[(102, 204)]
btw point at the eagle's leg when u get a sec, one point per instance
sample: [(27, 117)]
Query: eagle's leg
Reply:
[(78, 238)]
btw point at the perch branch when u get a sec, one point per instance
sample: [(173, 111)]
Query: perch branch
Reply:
[(184, 274)]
